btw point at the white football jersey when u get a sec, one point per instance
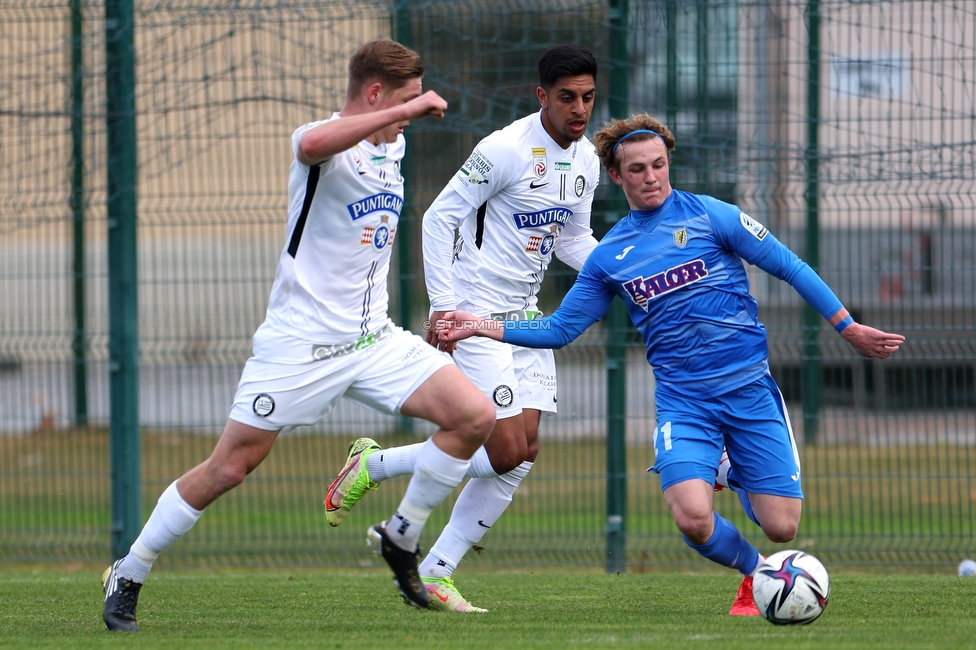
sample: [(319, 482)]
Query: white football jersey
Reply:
[(331, 282), (524, 193)]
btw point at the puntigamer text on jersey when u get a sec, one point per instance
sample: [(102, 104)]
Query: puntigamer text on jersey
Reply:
[(382, 201), (542, 217)]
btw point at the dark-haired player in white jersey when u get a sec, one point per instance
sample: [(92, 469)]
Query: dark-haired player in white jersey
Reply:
[(327, 333), (524, 194)]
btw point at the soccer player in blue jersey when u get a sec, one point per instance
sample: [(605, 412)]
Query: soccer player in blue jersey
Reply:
[(676, 261)]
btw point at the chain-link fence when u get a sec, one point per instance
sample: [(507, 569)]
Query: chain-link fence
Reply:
[(845, 127)]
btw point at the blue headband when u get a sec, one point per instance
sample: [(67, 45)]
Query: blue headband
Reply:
[(614, 151)]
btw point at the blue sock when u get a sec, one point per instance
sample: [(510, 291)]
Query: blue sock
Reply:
[(728, 547), (743, 496)]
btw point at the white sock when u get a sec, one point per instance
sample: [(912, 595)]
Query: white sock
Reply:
[(436, 474), (481, 465), (480, 504), (399, 461), (395, 461), (170, 519), (756, 570)]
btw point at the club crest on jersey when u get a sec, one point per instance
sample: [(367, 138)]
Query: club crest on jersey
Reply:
[(680, 237), (396, 170), (642, 289), (545, 217), (579, 186), (475, 169), (264, 405), (757, 229), (503, 396), (539, 163), (383, 201), (379, 237)]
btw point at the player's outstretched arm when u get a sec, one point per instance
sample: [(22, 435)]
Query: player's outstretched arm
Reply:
[(326, 140), (870, 342), (458, 325)]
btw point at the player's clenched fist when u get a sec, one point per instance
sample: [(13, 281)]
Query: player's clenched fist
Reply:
[(459, 325), (430, 103)]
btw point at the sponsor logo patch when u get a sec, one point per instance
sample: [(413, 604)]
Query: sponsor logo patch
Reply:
[(642, 289), (503, 396), (548, 243), (545, 217), (379, 237), (563, 166), (475, 169), (384, 201), (539, 163), (264, 405), (757, 229), (543, 244)]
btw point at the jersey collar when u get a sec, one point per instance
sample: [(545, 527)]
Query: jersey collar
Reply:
[(646, 217)]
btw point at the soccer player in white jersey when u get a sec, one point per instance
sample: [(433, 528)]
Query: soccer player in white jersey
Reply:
[(524, 194), (327, 332)]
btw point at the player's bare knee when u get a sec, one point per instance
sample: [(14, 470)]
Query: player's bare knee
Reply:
[(228, 475), (477, 420), (781, 531), (506, 459), (698, 529), (486, 419)]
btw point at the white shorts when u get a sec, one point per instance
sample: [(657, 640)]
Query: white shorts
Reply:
[(514, 377), (273, 394)]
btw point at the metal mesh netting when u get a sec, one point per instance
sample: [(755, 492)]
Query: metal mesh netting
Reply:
[(887, 218)]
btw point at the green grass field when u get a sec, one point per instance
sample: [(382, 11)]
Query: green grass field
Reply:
[(48, 608), (889, 509)]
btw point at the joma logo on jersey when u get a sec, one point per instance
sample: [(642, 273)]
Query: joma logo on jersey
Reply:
[(643, 289), (542, 217), (382, 201)]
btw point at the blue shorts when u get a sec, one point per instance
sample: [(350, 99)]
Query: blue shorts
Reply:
[(751, 422)]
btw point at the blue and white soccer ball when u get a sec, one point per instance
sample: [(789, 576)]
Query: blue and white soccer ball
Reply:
[(791, 588), (967, 568)]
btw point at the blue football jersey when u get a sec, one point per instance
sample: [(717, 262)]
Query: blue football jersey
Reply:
[(679, 270)]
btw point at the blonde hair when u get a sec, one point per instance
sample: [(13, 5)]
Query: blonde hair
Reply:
[(607, 138)]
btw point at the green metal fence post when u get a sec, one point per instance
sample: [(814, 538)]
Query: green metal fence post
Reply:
[(617, 325), (812, 380), (122, 277), (403, 31), (671, 85), (79, 343)]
